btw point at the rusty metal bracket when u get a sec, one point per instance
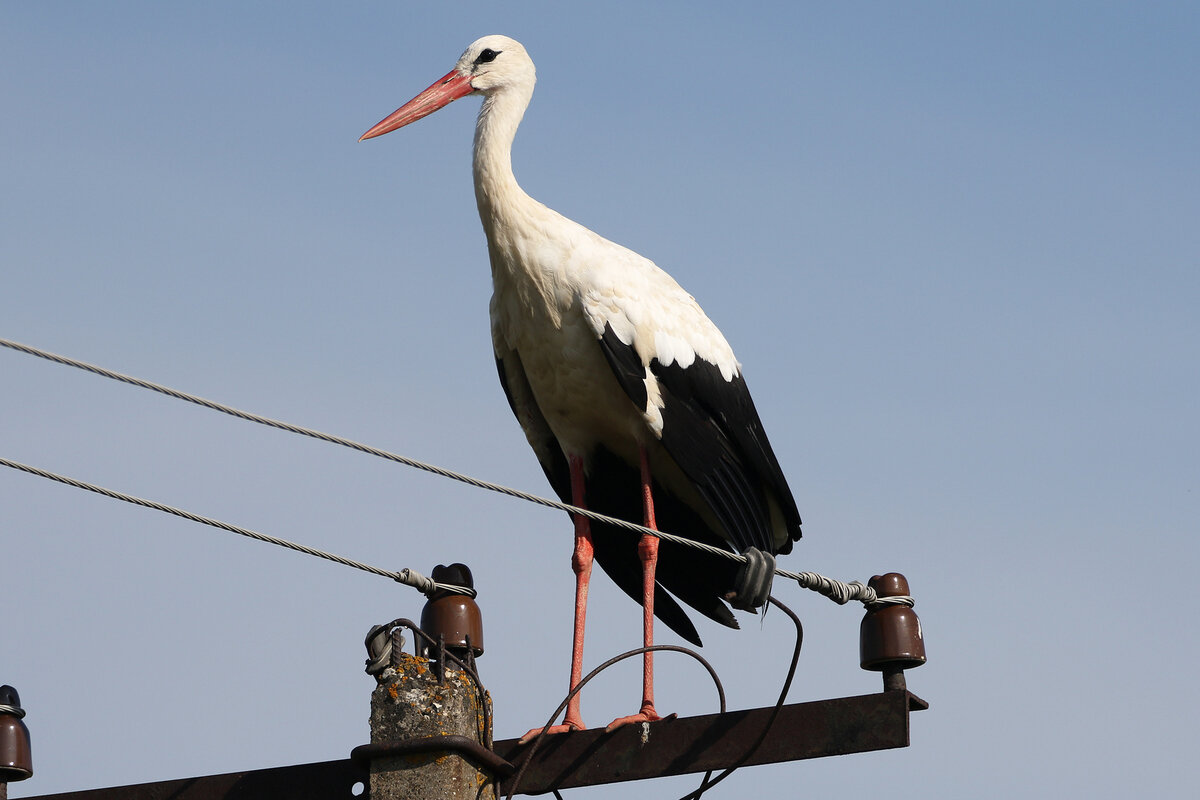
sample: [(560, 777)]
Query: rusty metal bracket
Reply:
[(587, 758), (463, 745)]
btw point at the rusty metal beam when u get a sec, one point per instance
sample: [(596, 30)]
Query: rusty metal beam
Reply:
[(592, 757), (333, 780), (716, 741)]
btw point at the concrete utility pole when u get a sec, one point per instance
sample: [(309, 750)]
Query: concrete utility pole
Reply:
[(412, 706), (431, 721)]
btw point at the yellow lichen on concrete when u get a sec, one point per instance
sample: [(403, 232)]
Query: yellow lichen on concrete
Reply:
[(413, 664)]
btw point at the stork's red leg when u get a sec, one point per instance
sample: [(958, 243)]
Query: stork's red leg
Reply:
[(648, 554), (581, 565)]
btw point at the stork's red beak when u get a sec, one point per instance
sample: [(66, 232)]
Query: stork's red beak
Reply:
[(443, 92)]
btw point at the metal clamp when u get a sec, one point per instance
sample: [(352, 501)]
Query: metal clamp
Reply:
[(463, 745)]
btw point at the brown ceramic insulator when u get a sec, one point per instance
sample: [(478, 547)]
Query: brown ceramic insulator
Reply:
[(890, 636), (454, 616), (16, 759)]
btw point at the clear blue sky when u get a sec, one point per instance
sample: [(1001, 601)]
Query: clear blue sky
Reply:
[(956, 248)]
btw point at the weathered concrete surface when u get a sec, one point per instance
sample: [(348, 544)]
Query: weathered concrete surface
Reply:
[(410, 703)]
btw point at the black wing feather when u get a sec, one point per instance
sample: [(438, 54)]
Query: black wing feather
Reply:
[(713, 431), (626, 366)]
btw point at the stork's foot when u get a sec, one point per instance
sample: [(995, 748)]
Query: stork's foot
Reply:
[(567, 726), (647, 714)]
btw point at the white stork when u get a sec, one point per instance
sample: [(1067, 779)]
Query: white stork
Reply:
[(630, 396)]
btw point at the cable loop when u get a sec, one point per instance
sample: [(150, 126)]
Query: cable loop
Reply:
[(379, 649), (428, 586), (842, 593), (410, 577), (898, 600)]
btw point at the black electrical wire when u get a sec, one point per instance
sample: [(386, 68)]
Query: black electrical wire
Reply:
[(516, 780), (706, 784)]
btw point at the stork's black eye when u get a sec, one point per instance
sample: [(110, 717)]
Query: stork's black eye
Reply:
[(487, 56)]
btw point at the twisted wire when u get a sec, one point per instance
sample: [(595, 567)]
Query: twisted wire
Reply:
[(838, 591), (409, 577)]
